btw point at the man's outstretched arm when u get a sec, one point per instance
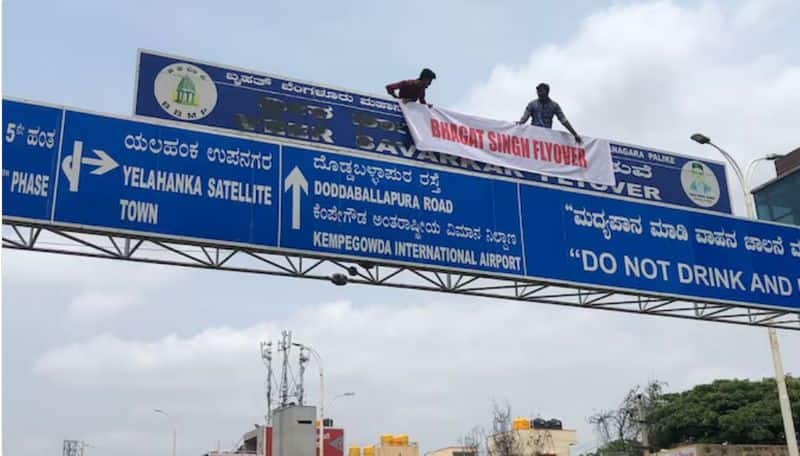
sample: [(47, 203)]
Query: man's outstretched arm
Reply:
[(563, 119), (390, 88), (575, 134), (525, 116), (422, 99)]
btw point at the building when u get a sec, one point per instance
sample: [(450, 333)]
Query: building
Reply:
[(453, 451), (294, 432), (258, 442), (533, 438), (726, 450), (779, 199)]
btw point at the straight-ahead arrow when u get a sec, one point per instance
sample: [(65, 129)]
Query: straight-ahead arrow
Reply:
[(104, 163), (296, 182)]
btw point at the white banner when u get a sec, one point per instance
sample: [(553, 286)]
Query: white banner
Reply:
[(523, 147)]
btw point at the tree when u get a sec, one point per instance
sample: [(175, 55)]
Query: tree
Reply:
[(733, 411), (474, 442), (504, 440), (617, 448), (620, 429)]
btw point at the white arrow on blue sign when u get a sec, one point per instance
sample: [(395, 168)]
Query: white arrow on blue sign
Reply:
[(168, 180)]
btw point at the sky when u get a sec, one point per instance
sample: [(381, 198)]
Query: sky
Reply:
[(91, 347)]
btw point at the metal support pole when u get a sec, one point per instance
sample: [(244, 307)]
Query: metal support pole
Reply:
[(321, 404), (645, 428), (174, 429), (321, 398), (780, 379), (783, 394)]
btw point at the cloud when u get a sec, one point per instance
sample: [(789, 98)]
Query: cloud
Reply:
[(653, 73), (424, 363), (92, 306), (169, 363), (31, 269), (759, 13), (93, 291)]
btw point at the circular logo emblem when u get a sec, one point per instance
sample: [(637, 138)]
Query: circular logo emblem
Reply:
[(185, 91), (700, 184)]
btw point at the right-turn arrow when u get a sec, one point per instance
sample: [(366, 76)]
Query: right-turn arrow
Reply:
[(71, 165), (104, 163)]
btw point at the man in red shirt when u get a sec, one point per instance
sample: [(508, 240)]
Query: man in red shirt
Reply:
[(413, 89)]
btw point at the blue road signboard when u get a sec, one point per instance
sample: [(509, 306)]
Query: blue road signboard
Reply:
[(176, 88), (175, 181), (143, 177), (360, 206), (31, 143)]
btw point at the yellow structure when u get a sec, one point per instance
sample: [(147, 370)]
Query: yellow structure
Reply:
[(354, 451), (521, 424), (369, 450), (395, 445), (400, 440)]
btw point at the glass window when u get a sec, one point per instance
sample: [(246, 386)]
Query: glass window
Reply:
[(780, 202)]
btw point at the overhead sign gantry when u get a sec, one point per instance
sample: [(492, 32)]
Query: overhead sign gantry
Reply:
[(222, 195)]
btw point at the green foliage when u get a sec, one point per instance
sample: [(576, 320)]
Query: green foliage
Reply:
[(733, 411), (618, 448)]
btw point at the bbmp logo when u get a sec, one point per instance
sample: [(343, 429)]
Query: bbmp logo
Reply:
[(700, 184), (185, 91)]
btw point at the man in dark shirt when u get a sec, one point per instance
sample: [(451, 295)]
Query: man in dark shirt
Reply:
[(542, 110), (413, 89)]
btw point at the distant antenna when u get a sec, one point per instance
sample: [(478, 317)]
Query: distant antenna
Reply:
[(266, 357), (73, 448), (303, 361), (285, 347)]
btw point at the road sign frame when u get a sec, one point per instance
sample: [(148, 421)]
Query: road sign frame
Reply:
[(48, 238), (69, 231)]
